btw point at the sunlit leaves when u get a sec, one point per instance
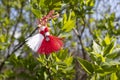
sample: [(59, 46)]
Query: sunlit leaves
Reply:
[(68, 26), (107, 40), (6, 74), (36, 12), (96, 47), (69, 22), (114, 54), (43, 6), (109, 48), (113, 76), (90, 3), (68, 60), (21, 67), (53, 4), (102, 55), (108, 25), (3, 40), (104, 52), (58, 63)]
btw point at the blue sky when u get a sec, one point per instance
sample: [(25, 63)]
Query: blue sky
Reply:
[(106, 6)]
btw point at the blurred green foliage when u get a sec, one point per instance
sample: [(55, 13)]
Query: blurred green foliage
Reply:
[(57, 66), (104, 63), (96, 40)]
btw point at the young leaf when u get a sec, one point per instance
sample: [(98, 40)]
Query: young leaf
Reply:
[(114, 54), (68, 26), (109, 48), (68, 22), (2, 38), (109, 67), (90, 2), (107, 40), (96, 47), (36, 12), (64, 18), (113, 76), (68, 61)]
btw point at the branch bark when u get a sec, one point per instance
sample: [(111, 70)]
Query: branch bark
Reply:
[(79, 35), (13, 33)]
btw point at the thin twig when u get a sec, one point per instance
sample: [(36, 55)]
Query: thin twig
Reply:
[(79, 35), (16, 25), (83, 50)]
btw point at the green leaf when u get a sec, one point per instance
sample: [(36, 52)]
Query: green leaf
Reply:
[(107, 40), (112, 16), (69, 25), (109, 48), (45, 75), (2, 38), (91, 20), (8, 73), (114, 54), (36, 12), (113, 76), (71, 14), (68, 21), (87, 66), (64, 18), (57, 5), (109, 67), (68, 61), (98, 69), (41, 3), (42, 59), (96, 47), (90, 2)]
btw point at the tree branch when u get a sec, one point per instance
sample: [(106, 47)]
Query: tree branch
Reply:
[(80, 39), (15, 27)]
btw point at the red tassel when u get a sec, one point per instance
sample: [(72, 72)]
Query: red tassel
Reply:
[(52, 45)]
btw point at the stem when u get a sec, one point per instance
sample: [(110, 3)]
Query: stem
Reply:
[(79, 37), (15, 28)]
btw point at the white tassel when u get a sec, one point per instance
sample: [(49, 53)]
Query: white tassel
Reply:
[(35, 42)]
